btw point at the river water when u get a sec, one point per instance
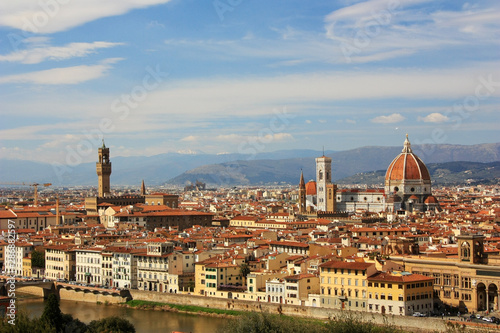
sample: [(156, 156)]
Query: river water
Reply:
[(145, 321)]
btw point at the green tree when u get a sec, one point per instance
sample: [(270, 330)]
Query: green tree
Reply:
[(111, 325), (38, 259), (52, 313), (23, 324)]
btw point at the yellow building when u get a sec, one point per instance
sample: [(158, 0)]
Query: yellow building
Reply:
[(27, 266), (344, 284), (400, 293), (218, 278)]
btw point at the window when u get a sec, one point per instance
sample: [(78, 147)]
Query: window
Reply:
[(466, 282)]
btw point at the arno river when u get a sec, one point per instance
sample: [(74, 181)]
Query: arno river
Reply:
[(145, 321)]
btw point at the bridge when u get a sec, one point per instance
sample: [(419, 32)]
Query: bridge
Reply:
[(68, 291), (94, 290)]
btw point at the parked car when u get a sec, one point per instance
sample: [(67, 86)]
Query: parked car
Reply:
[(417, 314), (489, 320)]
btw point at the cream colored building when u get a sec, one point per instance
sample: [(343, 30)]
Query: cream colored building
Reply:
[(159, 268), (60, 262), (400, 293), (299, 286), (107, 268)]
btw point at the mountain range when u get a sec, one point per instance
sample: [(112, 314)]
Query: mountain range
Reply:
[(344, 164), (279, 167)]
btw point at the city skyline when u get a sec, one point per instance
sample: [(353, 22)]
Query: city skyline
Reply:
[(163, 76)]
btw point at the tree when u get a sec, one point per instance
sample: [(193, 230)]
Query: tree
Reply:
[(38, 259), (23, 324), (111, 325), (244, 271), (52, 313)]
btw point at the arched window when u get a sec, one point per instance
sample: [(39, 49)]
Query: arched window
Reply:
[(465, 251)]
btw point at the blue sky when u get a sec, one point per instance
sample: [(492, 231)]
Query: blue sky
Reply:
[(157, 76)]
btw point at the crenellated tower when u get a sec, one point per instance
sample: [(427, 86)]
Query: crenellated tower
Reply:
[(103, 168)]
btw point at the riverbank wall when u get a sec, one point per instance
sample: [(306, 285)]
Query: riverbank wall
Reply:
[(405, 322)]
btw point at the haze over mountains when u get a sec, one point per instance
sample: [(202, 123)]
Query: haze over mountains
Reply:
[(278, 167)]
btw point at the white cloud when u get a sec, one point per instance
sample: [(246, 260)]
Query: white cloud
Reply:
[(265, 138), (62, 76), (434, 118), (190, 138), (59, 15), (390, 119), (376, 30), (155, 24), (44, 52)]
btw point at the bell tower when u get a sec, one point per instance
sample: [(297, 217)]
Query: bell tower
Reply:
[(302, 194), (103, 168), (323, 179)]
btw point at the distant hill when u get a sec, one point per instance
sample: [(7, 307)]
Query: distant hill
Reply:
[(450, 173), (239, 169), (344, 164), (154, 170)]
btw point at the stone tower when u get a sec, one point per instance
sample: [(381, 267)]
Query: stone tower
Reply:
[(323, 179), (302, 194), (143, 188), (103, 168)]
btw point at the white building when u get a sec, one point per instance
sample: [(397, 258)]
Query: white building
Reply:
[(275, 291), (124, 268), (89, 265), (21, 250)]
